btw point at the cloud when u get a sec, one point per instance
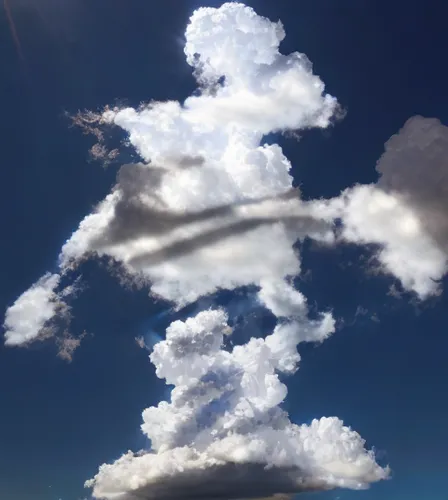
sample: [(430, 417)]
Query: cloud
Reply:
[(225, 221), (210, 207), (32, 311), (140, 211), (186, 254), (414, 166), (67, 345), (223, 434), (371, 215), (406, 213), (217, 481), (140, 341), (42, 312)]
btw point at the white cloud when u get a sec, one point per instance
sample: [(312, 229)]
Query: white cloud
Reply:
[(406, 212), (223, 414), (414, 166), (30, 313), (212, 207), (264, 91), (42, 312), (409, 233), (372, 215), (224, 410)]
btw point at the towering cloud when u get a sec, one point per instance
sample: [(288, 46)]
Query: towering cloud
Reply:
[(213, 207), (210, 206), (223, 434)]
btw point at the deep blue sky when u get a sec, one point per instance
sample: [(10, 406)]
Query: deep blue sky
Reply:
[(384, 60)]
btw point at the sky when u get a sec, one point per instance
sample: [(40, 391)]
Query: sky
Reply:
[(382, 371)]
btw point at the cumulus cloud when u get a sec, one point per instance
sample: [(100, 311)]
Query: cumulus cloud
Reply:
[(43, 312), (209, 207), (223, 434), (414, 166), (32, 311), (406, 213), (212, 207)]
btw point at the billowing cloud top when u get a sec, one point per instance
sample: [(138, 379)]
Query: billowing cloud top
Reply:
[(224, 416), (210, 207), (193, 230)]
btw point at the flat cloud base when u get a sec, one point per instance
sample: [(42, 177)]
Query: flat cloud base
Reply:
[(229, 482)]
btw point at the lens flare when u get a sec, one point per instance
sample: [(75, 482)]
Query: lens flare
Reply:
[(13, 29)]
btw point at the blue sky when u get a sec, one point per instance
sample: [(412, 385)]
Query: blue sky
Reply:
[(58, 421)]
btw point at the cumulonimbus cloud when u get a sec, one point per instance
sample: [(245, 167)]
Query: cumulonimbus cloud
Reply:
[(211, 206)]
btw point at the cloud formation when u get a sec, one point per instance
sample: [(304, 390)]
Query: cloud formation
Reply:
[(223, 434), (372, 215), (406, 213), (43, 312), (32, 311), (210, 206), (414, 165)]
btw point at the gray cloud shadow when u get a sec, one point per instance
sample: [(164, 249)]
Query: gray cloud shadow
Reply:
[(185, 246), (415, 165), (228, 482), (134, 219)]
